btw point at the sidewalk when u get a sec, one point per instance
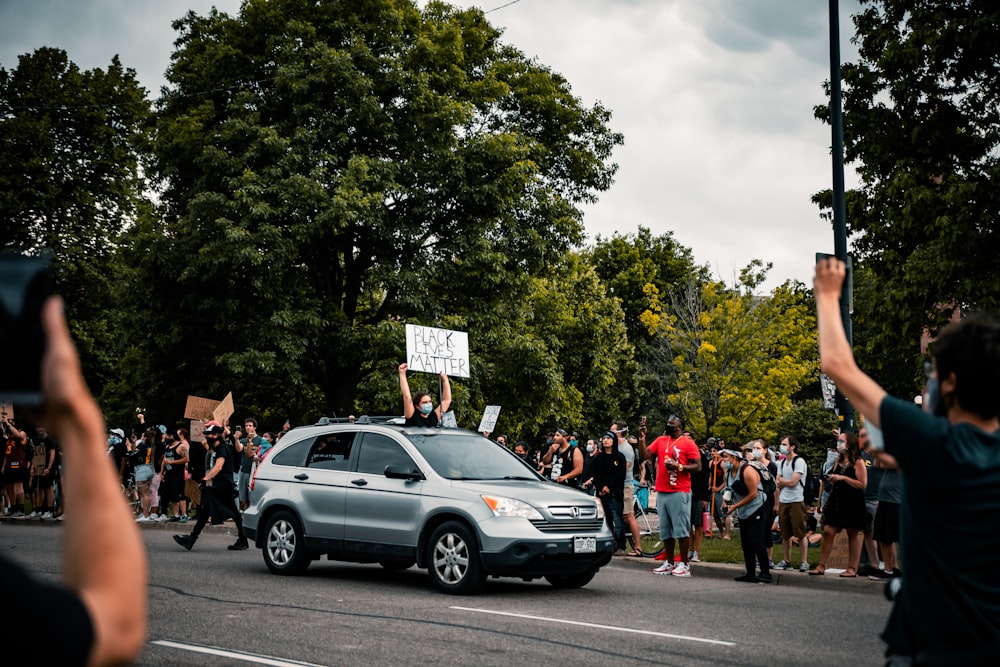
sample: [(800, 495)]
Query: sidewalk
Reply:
[(226, 528)]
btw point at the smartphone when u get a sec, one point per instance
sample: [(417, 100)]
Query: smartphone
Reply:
[(25, 284)]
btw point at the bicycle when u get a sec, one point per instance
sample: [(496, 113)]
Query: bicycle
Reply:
[(131, 493), (650, 543)]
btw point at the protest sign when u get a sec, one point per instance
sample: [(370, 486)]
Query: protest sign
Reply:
[(489, 420), (432, 350)]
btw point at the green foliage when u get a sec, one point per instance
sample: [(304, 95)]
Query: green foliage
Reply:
[(331, 170), (813, 426), (70, 143), (922, 127), (738, 357)]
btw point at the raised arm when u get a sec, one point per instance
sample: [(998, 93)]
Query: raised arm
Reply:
[(445, 394), (104, 558), (836, 356), (404, 387)]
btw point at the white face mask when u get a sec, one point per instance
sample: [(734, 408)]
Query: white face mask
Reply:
[(590, 447), (783, 449)]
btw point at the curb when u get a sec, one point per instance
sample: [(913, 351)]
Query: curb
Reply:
[(728, 571)]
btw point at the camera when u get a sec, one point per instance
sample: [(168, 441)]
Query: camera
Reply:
[(25, 284)]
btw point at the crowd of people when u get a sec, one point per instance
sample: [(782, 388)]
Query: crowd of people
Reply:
[(766, 497)]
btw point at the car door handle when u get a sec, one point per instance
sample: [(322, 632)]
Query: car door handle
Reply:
[(302, 476), (359, 482)]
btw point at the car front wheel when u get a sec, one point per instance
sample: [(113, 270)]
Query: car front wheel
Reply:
[(453, 559), (284, 546)]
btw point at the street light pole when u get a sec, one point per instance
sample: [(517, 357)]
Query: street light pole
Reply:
[(844, 409)]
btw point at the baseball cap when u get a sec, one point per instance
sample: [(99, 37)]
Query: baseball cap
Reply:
[(212, 428), (119, 432)]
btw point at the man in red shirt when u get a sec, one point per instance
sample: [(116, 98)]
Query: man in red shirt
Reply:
[(676, 458)]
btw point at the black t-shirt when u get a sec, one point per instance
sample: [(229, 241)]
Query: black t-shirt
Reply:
[(197, 458), (949, 603), (609, 471), (429, 421), (225, 477), (60, 631)]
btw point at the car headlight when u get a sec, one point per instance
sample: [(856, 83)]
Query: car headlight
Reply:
[(509, 507), (600, 510)]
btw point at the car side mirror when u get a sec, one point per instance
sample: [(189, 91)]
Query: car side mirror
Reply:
[(402, 472)]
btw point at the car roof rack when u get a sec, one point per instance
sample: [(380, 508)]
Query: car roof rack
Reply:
[(363, 419)]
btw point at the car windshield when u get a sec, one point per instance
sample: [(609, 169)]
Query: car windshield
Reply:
[(457, 455)]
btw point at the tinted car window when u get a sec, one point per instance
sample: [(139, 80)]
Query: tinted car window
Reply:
[(293, 455), (459, 455), (331, 451), (379, 451)]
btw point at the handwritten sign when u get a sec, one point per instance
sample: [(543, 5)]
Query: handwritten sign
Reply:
[(6, 409), (431, 350), (204, 409), (489, 420), (448, 420)]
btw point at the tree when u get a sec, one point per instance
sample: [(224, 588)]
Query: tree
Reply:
[(812, 425), (331, 169), (70, 182), (922, 127), (738, 357)]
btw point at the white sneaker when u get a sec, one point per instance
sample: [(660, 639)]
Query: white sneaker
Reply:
[(694, 557), (142, 519), (666, 568), (804, 567), (35, 514), (681, 570), (153, 516), (47, 515)]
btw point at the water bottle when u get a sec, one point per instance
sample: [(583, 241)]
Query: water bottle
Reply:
[(706, 522)]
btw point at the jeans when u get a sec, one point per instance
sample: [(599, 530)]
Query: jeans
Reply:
[(752, 540), (612, 504)]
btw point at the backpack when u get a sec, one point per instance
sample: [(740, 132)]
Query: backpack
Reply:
[(767, 483), (811, 488)]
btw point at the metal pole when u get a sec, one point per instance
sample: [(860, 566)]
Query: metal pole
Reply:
[(844, 409)]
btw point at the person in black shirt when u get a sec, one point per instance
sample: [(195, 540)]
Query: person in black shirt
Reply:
[(216, 490), (419, 409), (98, 614), (609, 483)]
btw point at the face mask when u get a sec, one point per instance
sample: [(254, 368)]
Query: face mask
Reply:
[(590, 448), (783, 449), (727, 465), (572, 442), (841, 446), (757, 455), (114, 440), (425, 408)]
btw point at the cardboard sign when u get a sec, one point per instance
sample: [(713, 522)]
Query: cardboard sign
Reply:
[(197, 430), (6, 409), (431, 350), (204, 409), (448, 420), (489, 420), (840, 553), (199, 408), (224, 410)]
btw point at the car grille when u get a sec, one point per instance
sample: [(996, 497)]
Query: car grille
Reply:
[(570, 519)]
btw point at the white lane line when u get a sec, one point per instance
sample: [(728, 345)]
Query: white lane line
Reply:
[(602, 627), (236, 655)]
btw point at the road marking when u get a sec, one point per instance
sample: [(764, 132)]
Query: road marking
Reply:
[(236, 655), (603, 627)]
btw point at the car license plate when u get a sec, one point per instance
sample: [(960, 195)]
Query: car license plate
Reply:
[(584, 545)]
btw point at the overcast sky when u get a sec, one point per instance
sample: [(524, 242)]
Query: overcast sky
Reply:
[(714, 98)]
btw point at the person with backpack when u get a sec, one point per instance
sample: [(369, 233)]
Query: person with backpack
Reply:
[(791, 482), (744, 495)]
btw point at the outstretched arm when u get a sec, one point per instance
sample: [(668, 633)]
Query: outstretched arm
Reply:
[(445, 394), (104, 558), (836, 357), (404, 386)]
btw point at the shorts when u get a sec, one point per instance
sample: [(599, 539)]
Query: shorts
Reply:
[(886, 528), (674, 510), (792, 519), (872, 507), (718, 506), (628, 506)]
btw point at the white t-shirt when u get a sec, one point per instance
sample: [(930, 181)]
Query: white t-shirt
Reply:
[(626, 449), (793, 494)]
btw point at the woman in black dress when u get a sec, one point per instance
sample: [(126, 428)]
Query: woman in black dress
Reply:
[(845, 507)]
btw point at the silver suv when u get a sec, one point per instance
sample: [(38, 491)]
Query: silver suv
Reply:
[(450, 500)]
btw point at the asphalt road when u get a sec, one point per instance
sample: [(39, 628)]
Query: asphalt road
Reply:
[(211, 606)]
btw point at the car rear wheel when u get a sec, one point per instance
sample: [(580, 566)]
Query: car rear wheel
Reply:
[(571, 580), (453, 560), (284, 545)]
